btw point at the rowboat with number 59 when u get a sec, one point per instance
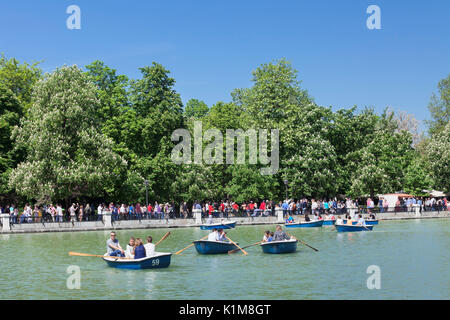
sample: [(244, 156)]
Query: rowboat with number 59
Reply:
[(159, 260)]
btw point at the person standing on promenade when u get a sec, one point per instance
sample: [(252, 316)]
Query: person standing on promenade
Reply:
[(113, 247), (100, 212)]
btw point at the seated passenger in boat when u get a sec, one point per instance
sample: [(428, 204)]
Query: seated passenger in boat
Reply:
[(361, 221), (290, 219), (349, 221), (339, 220), (113, 247), (213, 236), (129, 252), (372, 217), (139, 250), (307, 219), (149, 247), (266, 236), (270, 238), (280, 234), (221, 235)]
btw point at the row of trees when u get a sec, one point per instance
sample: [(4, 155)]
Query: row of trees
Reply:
[(94, 134)]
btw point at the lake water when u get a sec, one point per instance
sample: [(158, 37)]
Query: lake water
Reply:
[(413, 257)]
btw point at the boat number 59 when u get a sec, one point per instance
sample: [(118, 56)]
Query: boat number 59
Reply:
[(155, 262)]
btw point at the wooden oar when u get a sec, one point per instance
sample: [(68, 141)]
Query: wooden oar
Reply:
[(180, 251), (303, 242), (250, 245), (93, 255), (165, 236), (235, 244)]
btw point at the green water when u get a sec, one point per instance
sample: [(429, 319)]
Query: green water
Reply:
[(413, 257)]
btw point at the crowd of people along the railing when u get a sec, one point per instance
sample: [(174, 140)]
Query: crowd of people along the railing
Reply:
[(218, 209)]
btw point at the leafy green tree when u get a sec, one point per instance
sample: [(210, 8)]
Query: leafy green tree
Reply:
[(439, 157), (67, 155), (439, 107), (19, 78), (10, 113), (195, 109), (111, 90)]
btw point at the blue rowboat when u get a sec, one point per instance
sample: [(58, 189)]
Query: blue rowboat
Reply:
[(223, 225), (213, 247), (328, 222), (159, 260), (368, 222), (352, 228), (309, 224), (275, 247)]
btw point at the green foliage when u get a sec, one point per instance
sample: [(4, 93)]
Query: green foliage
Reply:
[(439, 107), (438, 152), (195, 109), (67, 156)]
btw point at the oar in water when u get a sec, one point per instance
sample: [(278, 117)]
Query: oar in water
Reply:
[(250, 245), (165, 236), (303, 242), (236, 244), (180, 251), (93, 255)]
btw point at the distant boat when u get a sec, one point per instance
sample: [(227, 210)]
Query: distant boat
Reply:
[(223, 225), (309, 224), (284, 246), (329, 222), (352, 228), (213, 247), (159, 260), (368, 222)]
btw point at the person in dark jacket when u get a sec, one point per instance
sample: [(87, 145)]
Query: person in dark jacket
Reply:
[(139, 250)]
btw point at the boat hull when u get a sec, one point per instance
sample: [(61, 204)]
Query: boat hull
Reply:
[(310, 224), (368, 222), (161, 260), (229, 225), (213, 247), (352, 228), (277, 247), (329, 222)]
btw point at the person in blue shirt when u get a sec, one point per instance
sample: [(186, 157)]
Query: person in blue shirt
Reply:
[(290, 219), (270, 238), (139, 250), (131, 211)]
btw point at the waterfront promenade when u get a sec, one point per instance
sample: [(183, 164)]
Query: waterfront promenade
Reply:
[(107, 224)]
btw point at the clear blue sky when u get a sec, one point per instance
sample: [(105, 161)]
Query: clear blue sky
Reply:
[(212, 46)]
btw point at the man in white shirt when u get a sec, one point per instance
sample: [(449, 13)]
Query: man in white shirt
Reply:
[(339, 220), (361, 221), (213, 236), (149, 247)]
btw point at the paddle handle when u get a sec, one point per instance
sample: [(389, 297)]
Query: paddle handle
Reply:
[(303, 242), (79, 254), (250, 245), (165, 236), (236, 245), (180, 251)]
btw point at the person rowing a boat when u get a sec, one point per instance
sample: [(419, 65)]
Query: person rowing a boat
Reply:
[(221, 235), (361, 221), (149, 247), (280, 235), (213, 236), (113, 247)]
